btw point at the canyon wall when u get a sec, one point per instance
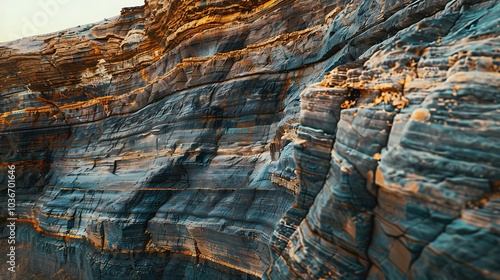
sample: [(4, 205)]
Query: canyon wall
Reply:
[(258, 139), (398, 157)]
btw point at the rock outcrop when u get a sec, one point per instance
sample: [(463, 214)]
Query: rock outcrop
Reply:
[(398, 163), (258, 139)]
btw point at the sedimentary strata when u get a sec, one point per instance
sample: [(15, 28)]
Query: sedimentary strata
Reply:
[(409, 167), (250, 139)]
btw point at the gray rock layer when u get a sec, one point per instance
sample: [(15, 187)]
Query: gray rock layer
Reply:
[(192, 140), (409, 185)]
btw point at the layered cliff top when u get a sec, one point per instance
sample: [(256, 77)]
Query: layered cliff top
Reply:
[(259, 139)]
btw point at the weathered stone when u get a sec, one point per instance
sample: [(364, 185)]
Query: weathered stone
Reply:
[(196, 139), (405, 173)]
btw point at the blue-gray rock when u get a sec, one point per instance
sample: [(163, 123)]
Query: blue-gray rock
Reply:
[(257, 139)]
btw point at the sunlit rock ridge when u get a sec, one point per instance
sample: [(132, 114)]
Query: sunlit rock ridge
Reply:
[(253, 139)]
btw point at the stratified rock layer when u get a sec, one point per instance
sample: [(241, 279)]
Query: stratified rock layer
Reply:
[(410, 181), (165, 143)]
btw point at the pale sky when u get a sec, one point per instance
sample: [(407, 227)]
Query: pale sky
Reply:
[(24, 18)]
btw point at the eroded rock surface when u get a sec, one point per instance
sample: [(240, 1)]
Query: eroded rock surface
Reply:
[(408, 185), (165, 143)]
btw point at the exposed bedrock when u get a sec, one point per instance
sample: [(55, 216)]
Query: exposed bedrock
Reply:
[(202, 139), (409, 185)]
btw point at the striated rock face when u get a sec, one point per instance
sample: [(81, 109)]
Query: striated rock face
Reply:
[(203, 140), (398, 162), (160, 139)]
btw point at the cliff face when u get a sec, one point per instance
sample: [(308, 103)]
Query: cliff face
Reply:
[(190, 139), (398, 160)]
